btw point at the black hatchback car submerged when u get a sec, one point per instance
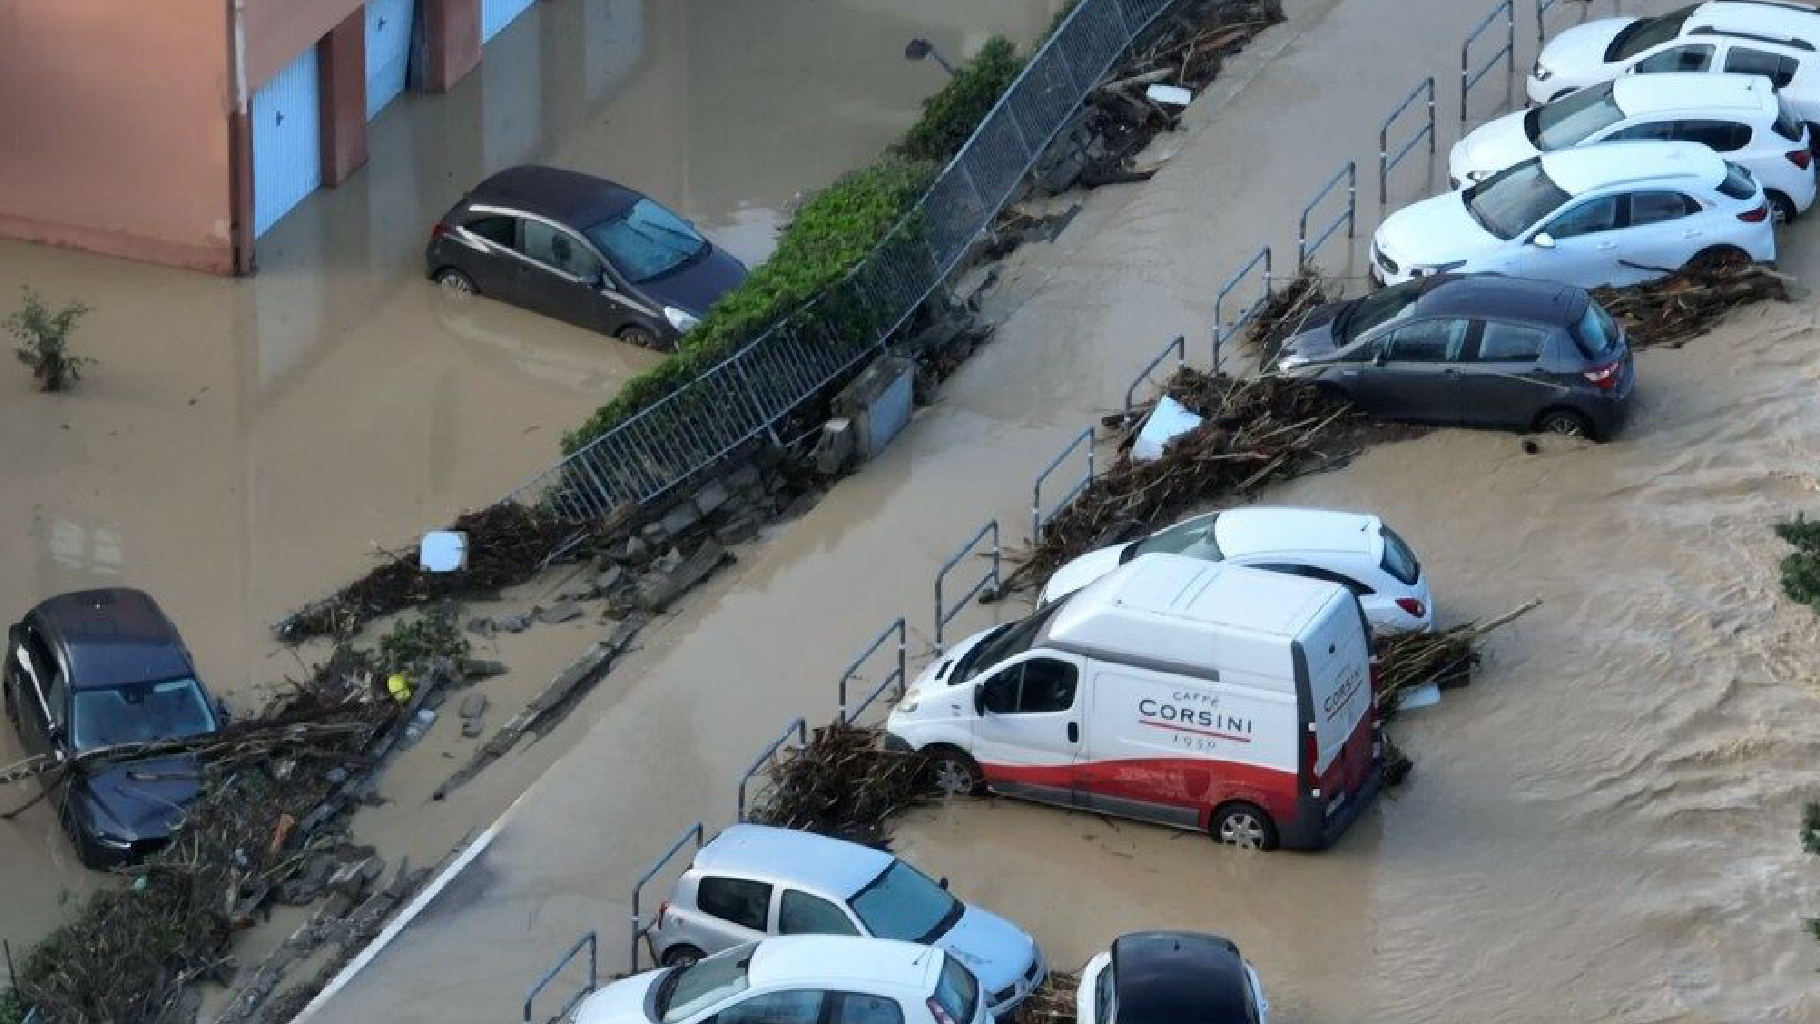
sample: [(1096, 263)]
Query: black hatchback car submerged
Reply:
[(100, 668), (584, 250), (1475, 350)]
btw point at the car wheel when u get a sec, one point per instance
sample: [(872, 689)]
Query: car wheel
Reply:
[(951, 772), (1245, 826), (1716, 257), (643, 337), (681, 955), (456, 281), (1782, 208), (1564, 423)]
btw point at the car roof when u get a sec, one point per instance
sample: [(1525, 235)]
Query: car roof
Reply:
[(820, 959), (1746, 17), (1693, 91), (790, 855), (1582, 169), (113, 636), (1166, 977), (1241, 532), (1502, 298), (572, 197)]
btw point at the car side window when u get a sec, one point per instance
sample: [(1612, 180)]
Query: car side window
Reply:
[(557, 248), (1592, 216), (745, 903), (1031, 687), (861, 1008), (1506, 343), (1426, 341), (791, 1006), (1315, 572), (55, 688), (498, 230), (1778, 68), (1103, 997), (799, 913), (1658, 206), (1652, 131), (1724, 136), (1677, 58)]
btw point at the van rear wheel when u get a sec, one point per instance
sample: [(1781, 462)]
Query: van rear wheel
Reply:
[(951, 772), (1245, 826)]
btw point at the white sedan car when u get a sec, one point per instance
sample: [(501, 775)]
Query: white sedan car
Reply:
[(1738, 116), (797, 979), (1612, 214), (1356, 551)]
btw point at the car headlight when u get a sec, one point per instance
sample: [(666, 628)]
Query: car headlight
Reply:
[(1438, 268), (1291, 360), (907, 705), (681, 319), (1540, 73)]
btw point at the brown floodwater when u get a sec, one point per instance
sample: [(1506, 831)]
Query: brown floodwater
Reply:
[(242, 446)]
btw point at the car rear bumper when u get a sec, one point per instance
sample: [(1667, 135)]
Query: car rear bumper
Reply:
[(1319, 823)]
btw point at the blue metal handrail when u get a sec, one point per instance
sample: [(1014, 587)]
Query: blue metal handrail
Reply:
[(1178, 345), (1385, 160), (588, 942), (1507, 52), (639, 927), (1038, 516), (1348, 173), (1223, 330), (797, 727), (897, 675), (944, 614)]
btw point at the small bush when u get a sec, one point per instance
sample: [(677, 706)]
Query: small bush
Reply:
[(412, 644), (44, 341), (951, 115), (1801, 568)]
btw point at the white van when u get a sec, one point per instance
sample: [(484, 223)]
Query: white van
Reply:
[(1207, 696)]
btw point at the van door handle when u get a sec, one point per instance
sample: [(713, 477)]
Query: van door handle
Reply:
[(1074, 732)]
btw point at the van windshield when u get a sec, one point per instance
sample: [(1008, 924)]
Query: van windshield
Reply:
[(1008, 641)]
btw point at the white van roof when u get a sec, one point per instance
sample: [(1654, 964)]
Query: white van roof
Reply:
[(1161, 608)]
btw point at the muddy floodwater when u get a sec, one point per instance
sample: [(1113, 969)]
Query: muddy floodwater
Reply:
[(242, 446)]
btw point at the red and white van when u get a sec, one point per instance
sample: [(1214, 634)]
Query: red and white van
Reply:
[(1207, 696)]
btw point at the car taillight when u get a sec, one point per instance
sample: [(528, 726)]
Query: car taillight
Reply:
[(662, 909), (1800, 157), (1761, 213), (1311, 750), (1602, 377), (939, 1012), (438, 231), (1410, 605)]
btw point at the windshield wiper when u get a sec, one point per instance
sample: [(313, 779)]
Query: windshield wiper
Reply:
[(955, 909)]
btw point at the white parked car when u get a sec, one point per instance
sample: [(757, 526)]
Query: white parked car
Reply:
[(797, 979), (1152, 977), (1754, 37), (1612, 214), (753, 880), (1738, 116), (1356, 551)]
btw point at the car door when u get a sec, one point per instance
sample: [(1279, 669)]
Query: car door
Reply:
[(489, 247), (1661, 233), (564, 277), (730, 911), (779, 1006), (863, 1008), (1779, 68), (802, 913), (1410, 376), (1682, 57), (42, 693), (1582, 247), (1027, 738), (1499, 385)]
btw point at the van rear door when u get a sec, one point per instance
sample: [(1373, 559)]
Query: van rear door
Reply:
[(1338, 658)]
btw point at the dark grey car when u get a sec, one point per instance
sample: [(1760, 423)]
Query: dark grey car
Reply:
[(584, 250), (1471, 350)]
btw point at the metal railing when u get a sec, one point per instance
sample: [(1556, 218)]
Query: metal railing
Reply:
[(588, 942), (1178, 345), (945, 614), (798, 728), (1348, 173), (744, 396), (641, 929), (1039, 516), (1224, 330), (1386, 161), (1542, 9), (1469, 76), (897, 674)]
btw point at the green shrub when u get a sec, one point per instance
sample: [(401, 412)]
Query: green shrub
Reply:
[(1801, 569), (951, 115), (44, 341)]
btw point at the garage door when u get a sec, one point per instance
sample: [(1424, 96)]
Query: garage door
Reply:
[(497, 14), (388, 51), (287, 160)]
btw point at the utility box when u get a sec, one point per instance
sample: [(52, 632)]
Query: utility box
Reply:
[(877, 404)]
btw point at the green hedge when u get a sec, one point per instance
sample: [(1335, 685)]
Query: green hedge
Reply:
[(830, 233)]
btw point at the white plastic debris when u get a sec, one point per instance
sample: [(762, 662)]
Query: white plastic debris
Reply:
[(443, 551), (1420, 697), (1168, 421), (1169, 95)]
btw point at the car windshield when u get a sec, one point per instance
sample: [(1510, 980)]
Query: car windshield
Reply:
[(1398, 560), (139, 713), (1005, 642), (1595, 333), (957, 991), (647, 240), (1508, 202), (1381, 306), (1644, 33), (902, 903), (1192, 537), (1568, 122), (687, 991)]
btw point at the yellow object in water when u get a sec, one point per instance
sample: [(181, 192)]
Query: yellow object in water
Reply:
[(399, 687)]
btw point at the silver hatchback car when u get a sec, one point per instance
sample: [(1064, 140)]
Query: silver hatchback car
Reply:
[(752, 881)]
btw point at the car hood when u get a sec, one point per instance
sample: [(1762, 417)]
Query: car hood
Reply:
[(1577, 55), (1491, 147), (1080, 572), (621, 1002), (1434, 231), (1314, 337), (695, 285), (926, 681), (995, 950), (139, 799)]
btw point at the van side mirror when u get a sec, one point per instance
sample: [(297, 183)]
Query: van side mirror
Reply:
[(943, 882), (1542, 240)]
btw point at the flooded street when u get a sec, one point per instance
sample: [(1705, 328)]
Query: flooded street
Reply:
[(242, 445)]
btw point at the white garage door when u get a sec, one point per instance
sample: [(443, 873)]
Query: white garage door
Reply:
[(497, 14), (287, 160), (388, 51)]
